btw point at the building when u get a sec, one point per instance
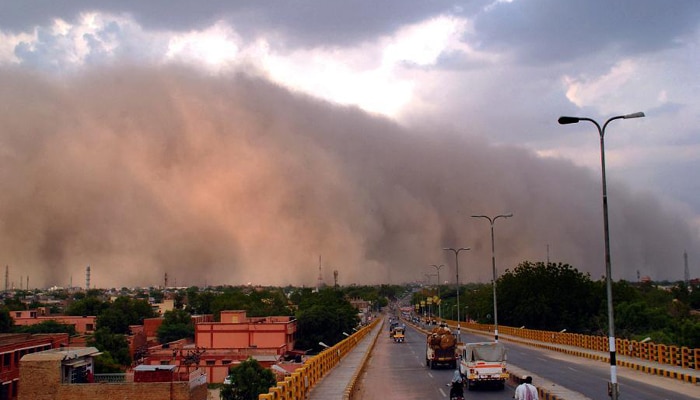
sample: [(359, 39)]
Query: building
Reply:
[(82, 324), (220, 345), (363, 309), (151, 325), (13, 346), (165, 306), (67, 374)]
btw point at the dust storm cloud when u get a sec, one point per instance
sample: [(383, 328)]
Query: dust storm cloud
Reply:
[(229, 180)]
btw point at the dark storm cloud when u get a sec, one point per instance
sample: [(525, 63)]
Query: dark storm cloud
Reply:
[(545, 31), (308, 22), (138, 172)]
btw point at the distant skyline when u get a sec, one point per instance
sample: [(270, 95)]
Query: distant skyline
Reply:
[(220, 141)]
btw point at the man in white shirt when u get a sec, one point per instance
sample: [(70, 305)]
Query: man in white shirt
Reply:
[(526, 390)]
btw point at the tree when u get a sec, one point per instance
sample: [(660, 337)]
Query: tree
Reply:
[(105, 364), (86, 306), (547, 296), (248, 381), (6, 321), (694, 297), (14, 304), (48, 326), (177, 324), (123, 312), (323, 317), (199, 302), (114, 345)]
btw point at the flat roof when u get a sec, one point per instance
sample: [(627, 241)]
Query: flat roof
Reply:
[(144, 367), (63, 353)]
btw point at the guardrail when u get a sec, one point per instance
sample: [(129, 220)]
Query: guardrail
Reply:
[(113, 378), (300, 382), (681, 357)]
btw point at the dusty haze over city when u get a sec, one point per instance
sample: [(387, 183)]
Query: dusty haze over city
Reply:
[(138, 172), (237, 142)]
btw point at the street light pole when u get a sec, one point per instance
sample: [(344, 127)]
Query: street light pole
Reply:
[(456, 251), (437, 267), (612, 387), (493, 268)]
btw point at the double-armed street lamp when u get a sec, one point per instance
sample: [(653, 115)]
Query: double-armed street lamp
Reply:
[(492, 220), (613, 388), (456, 251), (437, 267)]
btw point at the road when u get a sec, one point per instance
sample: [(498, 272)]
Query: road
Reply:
[(398, 371), (590, 377)]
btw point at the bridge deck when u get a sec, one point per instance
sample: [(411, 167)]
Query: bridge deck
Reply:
[(334, 384)]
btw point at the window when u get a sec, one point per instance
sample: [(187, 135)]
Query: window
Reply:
[(164, 362), (225, 362), (211, 362)]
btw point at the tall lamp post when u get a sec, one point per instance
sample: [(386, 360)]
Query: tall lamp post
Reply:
[(612, 386), (492, 220), (437, 267), (456, 251)]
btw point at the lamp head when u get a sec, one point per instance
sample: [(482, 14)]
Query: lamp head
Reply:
[(634, 115), (568, 120)]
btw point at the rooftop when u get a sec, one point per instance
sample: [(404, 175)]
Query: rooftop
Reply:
[(63, 353)]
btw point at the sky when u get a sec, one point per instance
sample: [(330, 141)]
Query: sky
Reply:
[(230, 142)]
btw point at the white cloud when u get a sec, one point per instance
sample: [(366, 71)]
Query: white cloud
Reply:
[(423, 43), (600, 90), (213, 47), (8, 42), (375, 76)]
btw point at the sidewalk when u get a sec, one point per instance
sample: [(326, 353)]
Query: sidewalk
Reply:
[(341, 379)]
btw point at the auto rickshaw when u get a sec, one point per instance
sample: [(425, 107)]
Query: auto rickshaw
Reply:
[(399, 334)]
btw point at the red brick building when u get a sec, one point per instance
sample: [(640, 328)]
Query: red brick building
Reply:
[(219, 345), (13, 346), (82, 324)]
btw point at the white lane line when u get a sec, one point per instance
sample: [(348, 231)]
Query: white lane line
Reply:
[(430, 375), (442, 392)]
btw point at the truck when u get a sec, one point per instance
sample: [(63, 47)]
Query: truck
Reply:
[(440, 348), (483, 363)]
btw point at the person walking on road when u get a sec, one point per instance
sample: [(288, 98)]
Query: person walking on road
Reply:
[(526, 390)]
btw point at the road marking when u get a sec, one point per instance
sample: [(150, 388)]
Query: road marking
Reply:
[(442, 392), (430, 375)]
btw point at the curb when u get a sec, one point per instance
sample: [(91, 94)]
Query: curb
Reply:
[(350, 388)]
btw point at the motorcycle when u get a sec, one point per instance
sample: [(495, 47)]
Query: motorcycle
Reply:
[(456, 390)]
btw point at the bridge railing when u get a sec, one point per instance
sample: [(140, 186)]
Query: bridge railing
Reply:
[(300, 382), (683, 357)]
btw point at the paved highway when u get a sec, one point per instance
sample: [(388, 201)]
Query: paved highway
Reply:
[(590, 377), (397, 371)]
